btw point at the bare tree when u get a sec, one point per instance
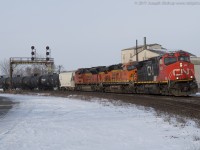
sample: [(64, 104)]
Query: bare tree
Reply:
[(5, 68), (59, 68)]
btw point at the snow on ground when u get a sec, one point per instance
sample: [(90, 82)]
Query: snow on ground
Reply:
[(52, 123), (197, 94)]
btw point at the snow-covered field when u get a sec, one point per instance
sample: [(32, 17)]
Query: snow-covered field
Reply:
[(43, 123)]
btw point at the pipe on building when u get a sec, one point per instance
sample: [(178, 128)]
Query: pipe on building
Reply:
[(136, 51), (145, 43)]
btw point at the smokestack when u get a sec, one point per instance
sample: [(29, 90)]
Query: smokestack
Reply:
[(145, 43), (136, 51)]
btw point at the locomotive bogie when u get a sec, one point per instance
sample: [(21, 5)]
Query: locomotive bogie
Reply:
[(183, 88)]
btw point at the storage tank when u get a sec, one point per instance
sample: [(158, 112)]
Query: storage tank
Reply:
[(17, 82), (26, 82)]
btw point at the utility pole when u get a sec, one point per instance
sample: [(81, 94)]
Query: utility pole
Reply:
[(136, 50)]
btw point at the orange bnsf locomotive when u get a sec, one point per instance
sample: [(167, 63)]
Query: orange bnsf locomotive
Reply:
[(170, 74)]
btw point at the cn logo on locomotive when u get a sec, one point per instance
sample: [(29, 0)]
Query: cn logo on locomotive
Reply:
[(179, 72), (150, 70)]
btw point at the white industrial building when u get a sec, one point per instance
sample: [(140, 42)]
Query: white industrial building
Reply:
[(144, 52)]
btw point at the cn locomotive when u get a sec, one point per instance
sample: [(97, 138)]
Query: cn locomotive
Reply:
[(169, 74)]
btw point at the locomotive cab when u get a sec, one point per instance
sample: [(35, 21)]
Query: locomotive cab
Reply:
[(176, 66), (177, 70)]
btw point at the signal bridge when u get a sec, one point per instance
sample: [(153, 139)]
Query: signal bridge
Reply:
[(48, 62)]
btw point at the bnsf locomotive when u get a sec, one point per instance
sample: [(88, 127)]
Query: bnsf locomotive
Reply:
[(170, 74)]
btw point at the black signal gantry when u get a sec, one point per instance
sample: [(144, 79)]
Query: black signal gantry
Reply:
[(48, 61)]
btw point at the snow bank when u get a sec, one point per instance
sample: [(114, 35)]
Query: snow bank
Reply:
[(50, 123)]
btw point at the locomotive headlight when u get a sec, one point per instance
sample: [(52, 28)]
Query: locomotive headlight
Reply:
[(181, 64), (191, 77), (177, 78)]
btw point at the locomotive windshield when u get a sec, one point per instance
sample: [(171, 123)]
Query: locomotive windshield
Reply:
[(184, 58), (170, 60)]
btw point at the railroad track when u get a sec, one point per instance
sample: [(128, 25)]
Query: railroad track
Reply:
[(191, 102)]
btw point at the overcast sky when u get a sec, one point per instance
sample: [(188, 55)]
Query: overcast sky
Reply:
[(86, 33)]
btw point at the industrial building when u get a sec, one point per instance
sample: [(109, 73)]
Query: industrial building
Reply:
[(144, 52)]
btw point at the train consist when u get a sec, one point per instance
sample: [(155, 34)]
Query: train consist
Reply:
[(170, 74)]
